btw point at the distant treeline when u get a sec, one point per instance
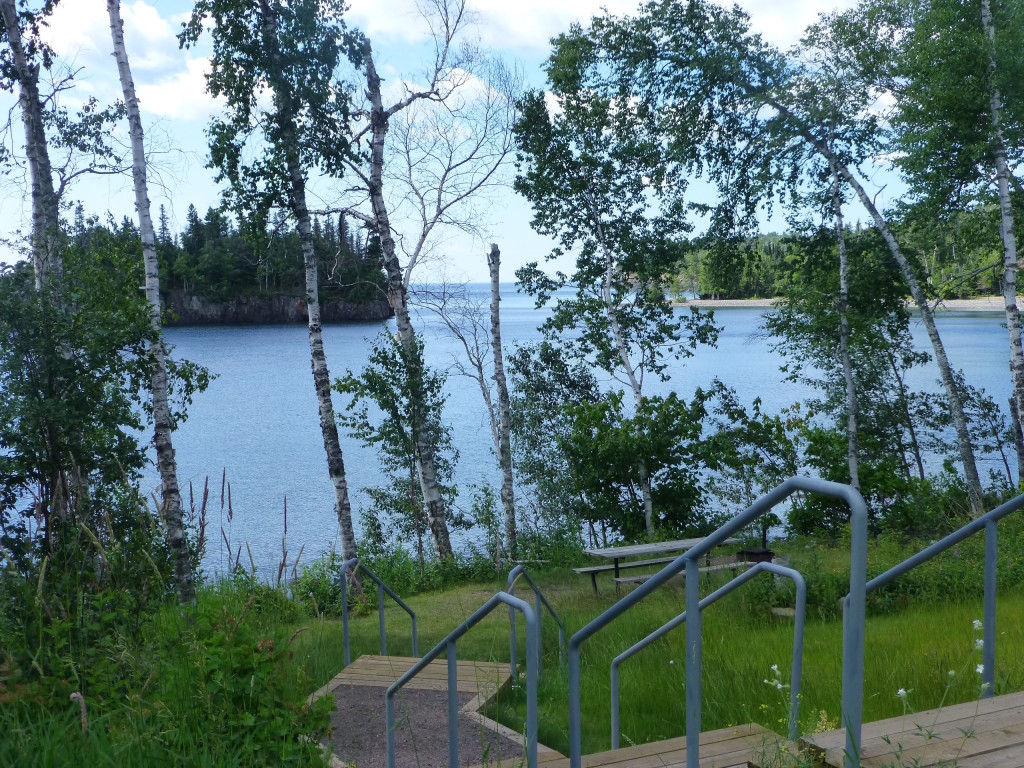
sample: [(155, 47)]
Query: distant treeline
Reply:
[(211, 258), (958, 258)]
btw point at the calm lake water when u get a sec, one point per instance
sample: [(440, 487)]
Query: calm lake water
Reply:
[(258, 419)]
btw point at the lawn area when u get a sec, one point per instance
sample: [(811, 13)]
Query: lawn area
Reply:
[(914, 649)]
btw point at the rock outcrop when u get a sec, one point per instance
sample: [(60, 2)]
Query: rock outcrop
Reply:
[(181, 308)]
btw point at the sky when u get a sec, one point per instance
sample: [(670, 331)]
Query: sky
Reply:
[(176, 109)]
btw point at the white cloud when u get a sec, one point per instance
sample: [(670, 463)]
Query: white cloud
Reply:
[(181, 95), (170, 82), (525, 28)]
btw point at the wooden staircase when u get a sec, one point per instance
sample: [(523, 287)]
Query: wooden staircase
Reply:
[(737, 747), (986, 733)]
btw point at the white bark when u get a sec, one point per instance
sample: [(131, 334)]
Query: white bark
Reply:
[(321, 375), (171, 510), (953, 397), (844, 336), (46, 256), (621, 346), (504, 441), (434, 505), (1007, 229)]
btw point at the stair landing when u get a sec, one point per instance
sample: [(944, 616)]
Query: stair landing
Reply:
[(736, 747), (989, 732)]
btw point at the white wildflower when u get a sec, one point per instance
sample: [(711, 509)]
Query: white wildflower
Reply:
[(902, 693), (980, 669), (979, 644), (775, 667), (779, 686), (952, 673), (977, 624)]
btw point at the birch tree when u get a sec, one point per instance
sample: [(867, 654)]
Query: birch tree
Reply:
[(957, 76), (764, 119), (162, 422), (275, 63), (483, 353), (450, 138), (597, 183), (844, 335), (22, 67)]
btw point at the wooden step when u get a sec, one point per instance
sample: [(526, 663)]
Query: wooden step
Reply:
[(977, 733), (736, 747)]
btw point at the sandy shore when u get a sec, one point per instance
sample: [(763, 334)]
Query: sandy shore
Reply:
[(980, 304)]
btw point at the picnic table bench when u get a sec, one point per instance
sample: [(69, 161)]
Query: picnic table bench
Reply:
[(619, 562), (730, 564)]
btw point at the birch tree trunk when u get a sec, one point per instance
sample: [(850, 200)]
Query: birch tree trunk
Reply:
[(635, 383), (953, 396), (508, 499), (170, 509), (321, 375), (1007, 229), (852, 411), (46, 256), (398, 299)]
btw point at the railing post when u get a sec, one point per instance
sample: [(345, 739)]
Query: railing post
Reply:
[(853, 629), (540, 622), (380, 619), (389, 730), (796, 676), (453, 707), (575, 733), (344, 613), (694, 659), (988, 655), (513, 643), (533, 642)]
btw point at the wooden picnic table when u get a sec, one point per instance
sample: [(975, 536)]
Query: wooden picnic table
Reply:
[(618, 554)]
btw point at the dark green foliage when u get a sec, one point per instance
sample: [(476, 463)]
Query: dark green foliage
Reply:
[(601, 450), (73, 373), (392, 397), (292, 52), (218, 260)]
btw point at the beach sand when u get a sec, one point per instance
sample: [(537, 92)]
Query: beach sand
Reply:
[(979, 304)]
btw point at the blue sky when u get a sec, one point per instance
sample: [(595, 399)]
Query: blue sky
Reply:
[(175, 108)]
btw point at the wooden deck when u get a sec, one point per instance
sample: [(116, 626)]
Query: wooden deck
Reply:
[(979, 733), (736, 747), (484, 678)]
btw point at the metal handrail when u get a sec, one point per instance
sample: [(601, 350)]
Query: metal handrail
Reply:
[(987, 522), (853, 619), (449, 645), (350, 566), (540, 600), (664, 629)]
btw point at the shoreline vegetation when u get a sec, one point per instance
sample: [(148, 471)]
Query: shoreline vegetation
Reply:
[(980, 304)]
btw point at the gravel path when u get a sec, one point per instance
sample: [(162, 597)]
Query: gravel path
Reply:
[(421, 736)]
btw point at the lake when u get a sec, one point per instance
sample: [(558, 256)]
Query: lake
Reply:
[(258, 419)]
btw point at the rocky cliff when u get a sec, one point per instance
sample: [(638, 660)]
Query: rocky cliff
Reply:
[(181, 308)]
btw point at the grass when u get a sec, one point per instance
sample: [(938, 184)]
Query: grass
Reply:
[(913, 650), (223, 684)]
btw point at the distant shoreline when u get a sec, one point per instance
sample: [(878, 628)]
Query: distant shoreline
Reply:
[(982, 304)]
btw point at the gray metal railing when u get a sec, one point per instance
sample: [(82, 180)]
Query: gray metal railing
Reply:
[(689, 561), (542, 602), (718, 594), (449, 645), (351, 566), (986, 522)]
